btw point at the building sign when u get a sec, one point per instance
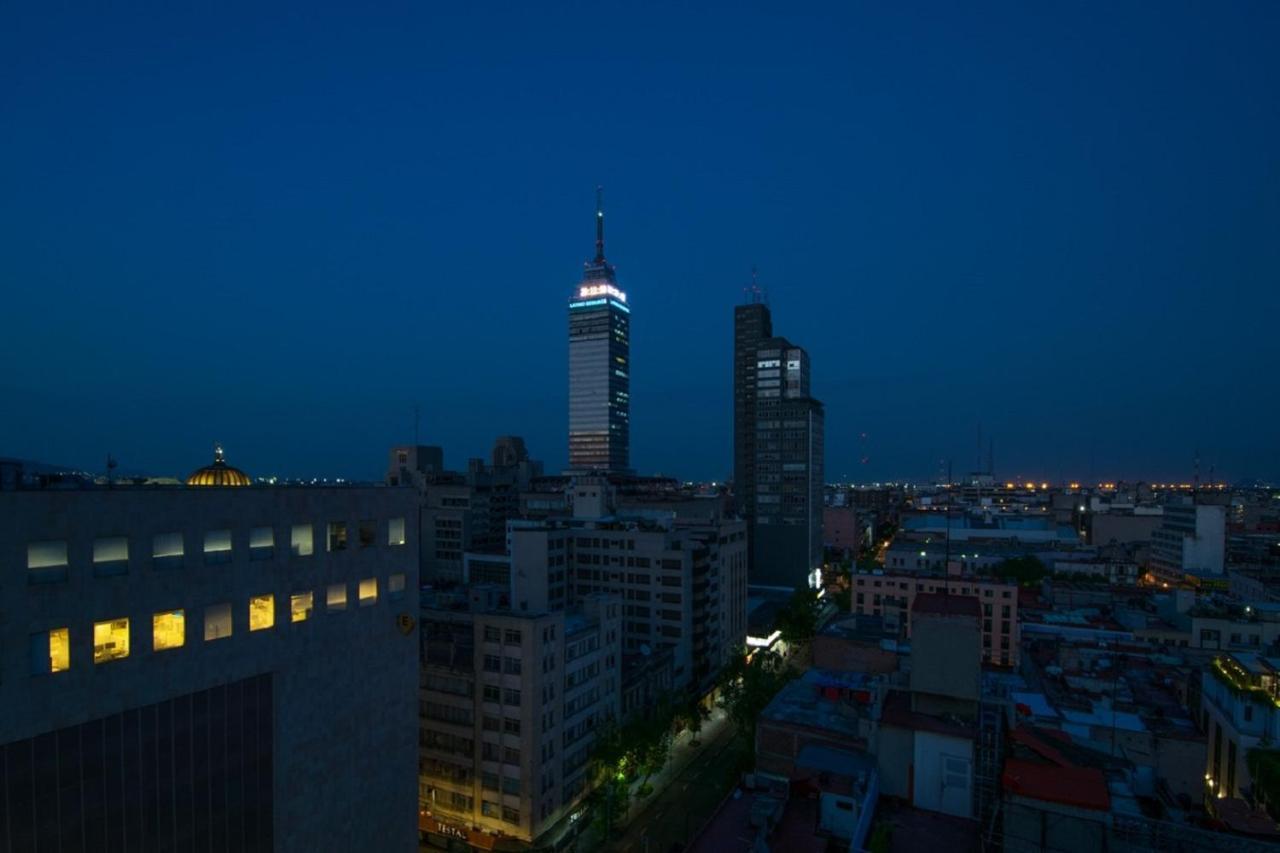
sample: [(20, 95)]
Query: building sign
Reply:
[(478, 840), (589, 290)]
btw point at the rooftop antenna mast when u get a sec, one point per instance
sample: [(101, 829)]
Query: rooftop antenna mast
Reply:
[(1195, 481), (754, 294), (599, 224)]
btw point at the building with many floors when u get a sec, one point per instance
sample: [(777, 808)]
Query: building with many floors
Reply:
[(778, 451), (204, 667), (599, 367), (682, 582), (1191, 538), (511, 704), (891, 595)]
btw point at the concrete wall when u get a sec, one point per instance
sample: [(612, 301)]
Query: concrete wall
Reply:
[(344, 682), (1031, 826), (895, 753), (941, 764), (852, 656), (945, 655)]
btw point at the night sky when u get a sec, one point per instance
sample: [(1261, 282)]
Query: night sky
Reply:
[(284, 229)]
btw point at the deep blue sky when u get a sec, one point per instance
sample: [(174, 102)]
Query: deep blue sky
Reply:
[(282, 229)]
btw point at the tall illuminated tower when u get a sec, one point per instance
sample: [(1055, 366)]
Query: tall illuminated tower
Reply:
[(599, 366)]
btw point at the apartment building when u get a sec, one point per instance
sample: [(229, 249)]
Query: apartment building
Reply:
[(891, 595), (1191, 538), (511, 703), (682, 584), (466, 511), (228, 668)]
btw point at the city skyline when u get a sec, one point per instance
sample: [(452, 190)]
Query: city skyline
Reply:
[(229, 249)]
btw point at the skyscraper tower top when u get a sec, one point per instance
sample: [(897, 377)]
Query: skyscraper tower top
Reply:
[(599, 366), (599, 270)]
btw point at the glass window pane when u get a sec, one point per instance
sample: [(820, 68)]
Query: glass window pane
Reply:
[(395, 585), (302, 542), (336, 598), (217, 546), (337, 536), (59, 650), (395, 531), (166, 545), (300, 606), (111, 549), (368, 532), (42, 555), (261, 537), (110, 640), (368, 591), (217, 621), (262, 612), (168, 630)]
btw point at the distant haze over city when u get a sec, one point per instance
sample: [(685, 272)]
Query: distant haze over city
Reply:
[(971, 226)]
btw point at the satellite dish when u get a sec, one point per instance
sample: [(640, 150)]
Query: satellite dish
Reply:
[(645, 650)]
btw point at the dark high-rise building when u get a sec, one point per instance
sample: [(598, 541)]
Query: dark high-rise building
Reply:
[(752, 324), (778, 451), (599, 367)]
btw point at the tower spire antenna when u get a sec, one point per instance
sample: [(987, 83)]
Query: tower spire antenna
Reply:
[(599, 224)]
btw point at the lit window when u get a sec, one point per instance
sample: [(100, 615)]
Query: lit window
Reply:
[(395, 531), (300, 606), (168, 630), (217, 622), (217, 546), (262, 612), (368, 532), (301, 540), (111, 555), (337, 536), (110, 640), (336, 597), (368, 591), (44, 555), (262, 543), (47, 561), (395, 586), (50, 651), (166, 550)]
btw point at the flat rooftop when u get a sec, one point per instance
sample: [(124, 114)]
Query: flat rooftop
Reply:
[(814, 700)]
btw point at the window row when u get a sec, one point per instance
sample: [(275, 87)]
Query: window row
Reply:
[(47, 561), (112, 638)]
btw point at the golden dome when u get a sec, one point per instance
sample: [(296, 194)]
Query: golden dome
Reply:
[(219, 473)]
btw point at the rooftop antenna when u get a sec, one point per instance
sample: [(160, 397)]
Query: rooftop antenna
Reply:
[(754, 293), (111, 467), (599, 224), (1195, 482)]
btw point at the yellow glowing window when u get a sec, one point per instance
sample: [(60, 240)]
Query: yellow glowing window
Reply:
[(262, 612), (368, 591), (168, 630), (59, 650), (50, 651), (300, 606), (110, 640), (217, 621), (336, 597)]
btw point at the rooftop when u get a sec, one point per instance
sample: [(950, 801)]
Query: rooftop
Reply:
[(824, 699), (941, 604)]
